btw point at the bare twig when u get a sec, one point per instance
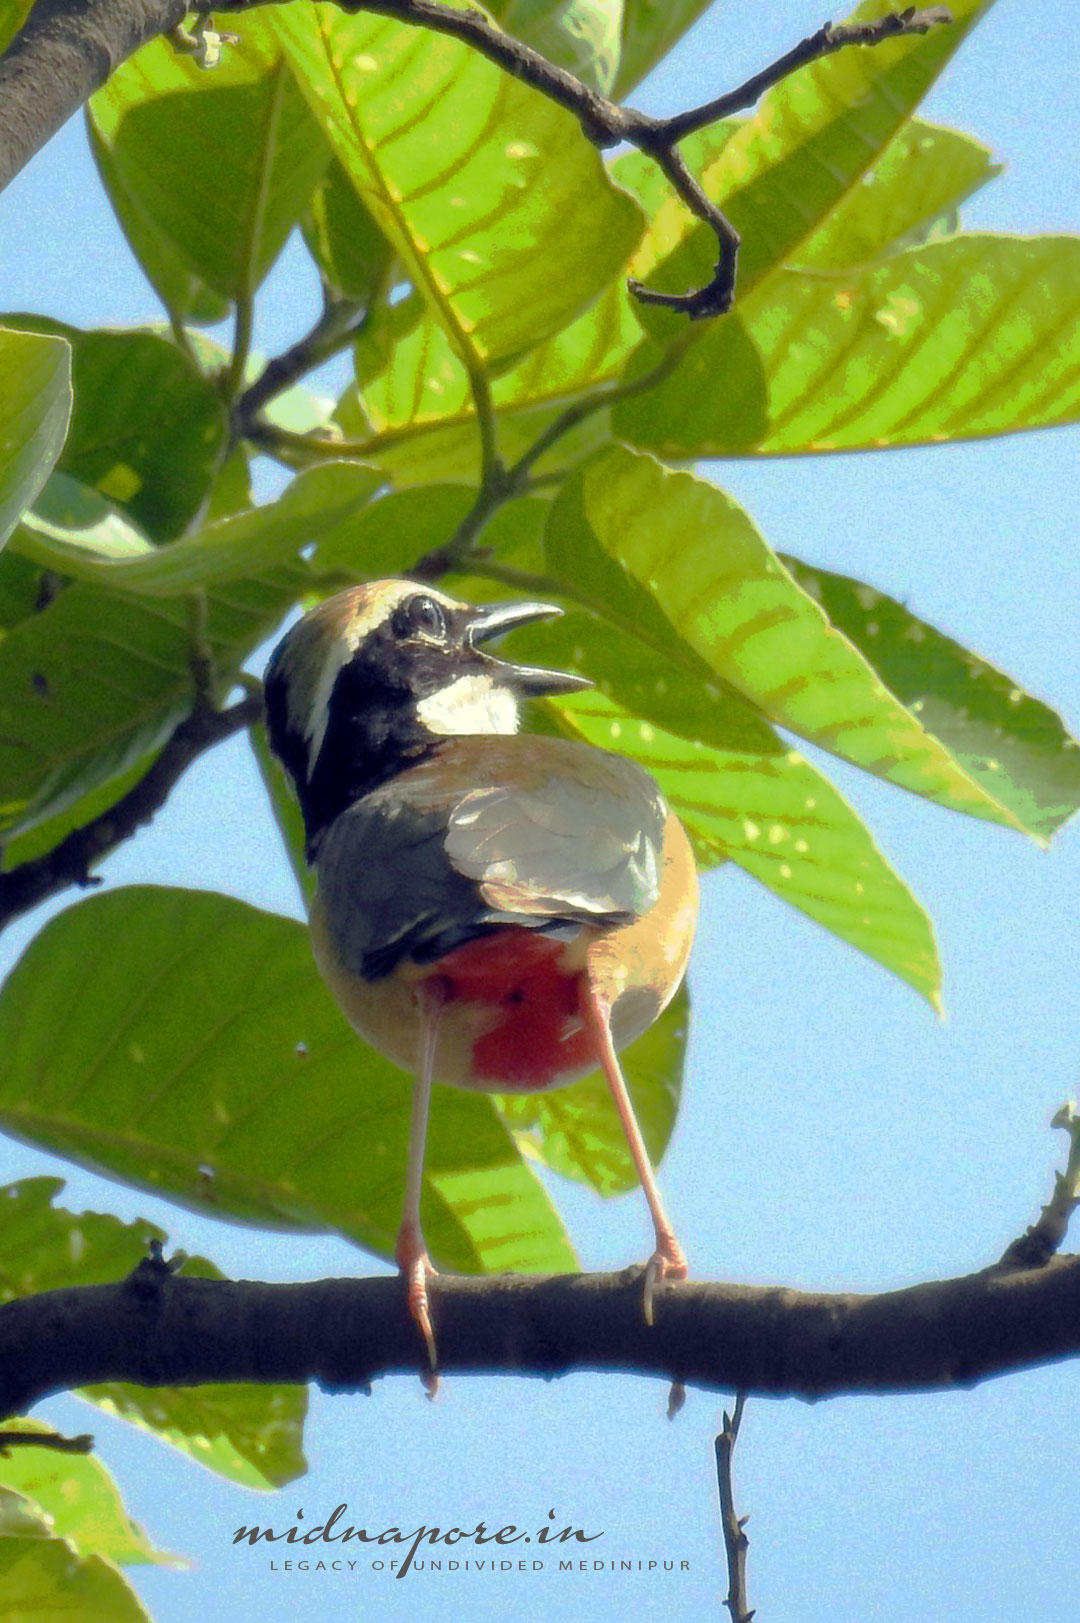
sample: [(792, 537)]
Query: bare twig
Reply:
[(70, 862), (337, 326), (67, 48), (732, 1524), (1037, 1244), (606, 123), (82, 1444), (941, 1335)]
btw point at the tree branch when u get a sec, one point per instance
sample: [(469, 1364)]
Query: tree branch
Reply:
[(68, 48), (344, 1332), (70, 862), (65, 50)]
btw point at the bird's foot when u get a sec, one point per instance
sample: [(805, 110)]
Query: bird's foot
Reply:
[(415, 1264), (668, 1261)]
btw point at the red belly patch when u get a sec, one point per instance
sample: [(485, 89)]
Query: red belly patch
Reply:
[(540, 1036)]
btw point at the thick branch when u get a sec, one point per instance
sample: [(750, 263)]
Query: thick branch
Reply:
[(65, 51), (70, 862), (344, 1332)]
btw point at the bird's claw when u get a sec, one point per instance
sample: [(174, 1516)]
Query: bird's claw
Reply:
[(668, 1261), (417, 1271)]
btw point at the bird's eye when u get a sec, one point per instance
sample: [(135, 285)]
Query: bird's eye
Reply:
[(422, 614)]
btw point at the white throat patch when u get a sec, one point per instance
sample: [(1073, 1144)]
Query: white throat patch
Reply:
[(472, 704)]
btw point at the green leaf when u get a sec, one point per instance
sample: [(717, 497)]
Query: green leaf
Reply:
[(35, 404), (576, 1131), (1012, 743), (961, 339), (183, 293), (42, 1580), (388, 537), (13, 13), (146, 429), (96, 681), (244, 544), (80, 1499), (956, 340), (584, 36), (722, 590), (650, 28), (342, 238), (221, 164), (204, 1060), (912, 191), (786, 825), (286, 810), (786, 169), (20, 590), (46, 835), (448, 154), (19, 1518), (250, 1434)]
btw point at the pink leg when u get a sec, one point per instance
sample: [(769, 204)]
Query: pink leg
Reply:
[(410, 1251), (668, 1260)]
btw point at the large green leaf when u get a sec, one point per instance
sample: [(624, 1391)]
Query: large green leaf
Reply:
[(43, 1580), (913, 191), (786, 169), (250, 1434), (221, 164), (960, 339), (94, 683), (576, 1131), (1009, 741), (35, 404), (480, 183), (351, 252), (696, 557), (650, 28), (785, 824), (146, 430), (244, 544), (204, 1060), (79, 1497), (584, 36), (181, 290), (13, 13), (390, 535)]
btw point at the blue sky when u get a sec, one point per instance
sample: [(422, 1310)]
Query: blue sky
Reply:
[(834, 1134)]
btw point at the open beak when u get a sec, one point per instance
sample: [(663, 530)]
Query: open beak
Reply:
[(492, 620)]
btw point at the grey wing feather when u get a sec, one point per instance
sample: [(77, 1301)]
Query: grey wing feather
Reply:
[(588, 844), (403, 877)]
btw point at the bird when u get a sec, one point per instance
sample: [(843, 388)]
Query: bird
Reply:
[(493, 910)]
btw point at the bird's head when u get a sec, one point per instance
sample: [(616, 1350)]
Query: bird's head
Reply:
[(371, 680)]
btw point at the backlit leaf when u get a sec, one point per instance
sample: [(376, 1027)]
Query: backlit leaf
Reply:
[(244, 544), (725, 593), (35, 404), (79, 1497), (43, 1580), (146, 429), (447, 152), (1006, 739), (168, 125), (96, 681), (250, 1434), (205, 1061), (785, 824)]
